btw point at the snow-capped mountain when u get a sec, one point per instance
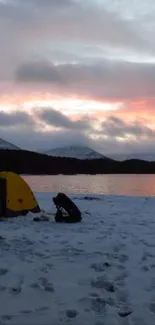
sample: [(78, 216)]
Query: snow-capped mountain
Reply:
[(78, 152), (7, 145), (140, 156)]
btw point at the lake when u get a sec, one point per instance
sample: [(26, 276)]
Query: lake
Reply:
[(128, 185)]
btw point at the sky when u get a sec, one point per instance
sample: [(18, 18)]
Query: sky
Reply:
[(76, 72)]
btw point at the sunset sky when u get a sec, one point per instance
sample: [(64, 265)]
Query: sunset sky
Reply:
[(78, 72)]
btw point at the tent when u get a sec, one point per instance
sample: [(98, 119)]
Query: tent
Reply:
[(16, 197)]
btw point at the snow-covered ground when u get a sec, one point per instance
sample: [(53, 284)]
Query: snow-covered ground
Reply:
[(87, 273)]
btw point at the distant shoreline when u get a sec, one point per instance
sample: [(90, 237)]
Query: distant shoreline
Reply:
[(32, 163)]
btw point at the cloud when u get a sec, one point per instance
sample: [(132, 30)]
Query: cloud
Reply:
[(108, 28), (34, 139), (15, 119), (24, 131), (39, 34), (44, 116), (56, 119), (59, 4), (38, 72), (38, 140), (115, 127), (36, 28), (104, 80), (77, 49)]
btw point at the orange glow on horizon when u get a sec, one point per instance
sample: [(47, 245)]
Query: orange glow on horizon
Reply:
[(68, 106), (74, 107)]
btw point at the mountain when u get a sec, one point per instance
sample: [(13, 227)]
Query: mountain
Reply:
[(33, 163), (5, 145), (78, 152), (140, 156)]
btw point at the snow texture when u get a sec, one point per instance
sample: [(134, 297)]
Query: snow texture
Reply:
[(98, 272), (78, 152)]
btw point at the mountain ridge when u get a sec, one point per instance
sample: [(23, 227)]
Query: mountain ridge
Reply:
[(82, 153), (137, 156), (6, 145), (78, 152)]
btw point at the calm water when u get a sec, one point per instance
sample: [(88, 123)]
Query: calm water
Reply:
[(134, 185)]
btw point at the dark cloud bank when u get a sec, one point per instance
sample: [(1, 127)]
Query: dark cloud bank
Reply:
[(28, 131)]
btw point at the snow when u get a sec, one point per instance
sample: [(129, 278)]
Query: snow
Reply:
[(86, 273), (82, 152), (7, 145), (78, 152)]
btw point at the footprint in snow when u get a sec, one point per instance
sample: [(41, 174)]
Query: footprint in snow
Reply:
[(49, 265), (123, 258), (3, 271), (100, 267), (44, 269), (15, 290), (26, 311), (68, 315), (94, 294), (80, 242), (44, 284), (122, 275), (151, 286), (58, 236), (102, 283), (121, 267), (125, 312), (146, 256), (64, 242), (35, 285), (2, 288), (122, 296), (117, 248), (71, 313), (42, 309), (152, 307), (95, 304), (145, 268), (48, 286), (98, 305), (148, 244), (109, 301), (7, 317)]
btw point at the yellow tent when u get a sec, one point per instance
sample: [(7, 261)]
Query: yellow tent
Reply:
[(16, 197)]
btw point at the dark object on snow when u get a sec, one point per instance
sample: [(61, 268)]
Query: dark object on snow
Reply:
[(65, 206), (125, 313), (42, 218)]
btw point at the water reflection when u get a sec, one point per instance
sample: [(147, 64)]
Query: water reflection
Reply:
[(135, 185)]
